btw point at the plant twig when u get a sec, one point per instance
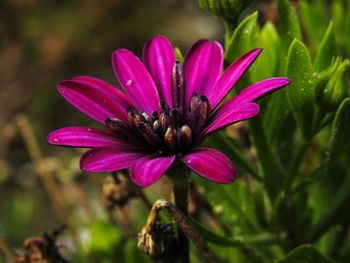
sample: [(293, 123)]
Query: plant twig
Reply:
[(8, 253), (294, 166), (45, 176), (182, 222)]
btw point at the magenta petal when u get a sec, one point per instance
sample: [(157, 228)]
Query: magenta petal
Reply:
[(256, 91), (149, 169), (159, 58), (107, 159), (84, 137), (202, 67), (230, 115), (211, 164), (119, 96), (230, 77), (94, 100), (136, 80)]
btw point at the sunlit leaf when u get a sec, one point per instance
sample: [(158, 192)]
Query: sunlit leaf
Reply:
[(240, 41), (300, 92), (326, 51)]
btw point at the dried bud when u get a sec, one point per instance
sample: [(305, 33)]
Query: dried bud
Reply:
[(332, 86), (42, 248), (117, 190), (158, 241)]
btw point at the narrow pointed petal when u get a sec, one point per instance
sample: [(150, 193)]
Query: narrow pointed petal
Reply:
[(256, 91), (211, 164), (202, 67), (149, 169), (94, 100), (119, 96), (230, 115), (159, 58), (230, 77), (84, 137), (107, 159), (135, 80)]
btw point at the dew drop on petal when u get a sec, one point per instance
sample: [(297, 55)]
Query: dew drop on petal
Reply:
[(56, 140), (129, 82)]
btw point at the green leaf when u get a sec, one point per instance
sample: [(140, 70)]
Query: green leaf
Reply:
[(268, 62), (233, 203), (240, 41), (289, 23), (300, 92), (305, 254), (326, 51), (332, 85), (250, 252), (262, 205), (338, 15), (340, 130), (271, 169), (334, 213), (276, 114)]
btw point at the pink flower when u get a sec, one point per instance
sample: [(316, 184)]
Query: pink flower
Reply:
[(164, 112)]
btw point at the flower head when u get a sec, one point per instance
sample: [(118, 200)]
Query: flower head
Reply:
[(165, 111)]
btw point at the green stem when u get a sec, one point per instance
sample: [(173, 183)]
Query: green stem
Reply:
[(180, 182), (294, 165), (317, 121), (272, 175)]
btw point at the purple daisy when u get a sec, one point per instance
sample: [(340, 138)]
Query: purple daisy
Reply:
[(166, 110)]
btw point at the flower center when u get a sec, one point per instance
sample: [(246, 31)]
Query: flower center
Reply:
[(172, 130)]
